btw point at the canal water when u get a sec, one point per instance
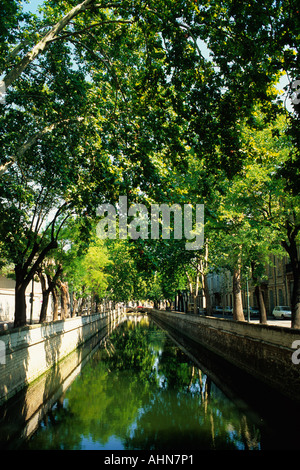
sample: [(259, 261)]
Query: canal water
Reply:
[(141, 390)]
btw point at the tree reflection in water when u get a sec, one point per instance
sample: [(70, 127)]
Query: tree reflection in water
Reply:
[(140, 391)]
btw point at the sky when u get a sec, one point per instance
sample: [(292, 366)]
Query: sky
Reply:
[(32, 5)]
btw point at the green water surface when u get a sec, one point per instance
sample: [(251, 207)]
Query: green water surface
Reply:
[(140, 391)]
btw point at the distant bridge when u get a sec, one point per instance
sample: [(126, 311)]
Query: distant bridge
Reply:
[(138, 310)]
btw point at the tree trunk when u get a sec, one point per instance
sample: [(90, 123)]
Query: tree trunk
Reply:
[(29, 143), (75, 305), (291, 248), (20, 303), (261, 304), (25, 274), (42, 44), (197, 287), (45, 292), (194, 303), (295, 301), (207, 296), (65, 303), (55, 303), (258, 294), (203, 266), (52, 283), (44, 307), (238, 313)]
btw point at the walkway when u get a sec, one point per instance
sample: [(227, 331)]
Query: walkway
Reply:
[(276, 322)]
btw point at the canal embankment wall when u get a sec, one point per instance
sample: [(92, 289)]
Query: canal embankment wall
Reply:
[(265, 352), (30, 351)]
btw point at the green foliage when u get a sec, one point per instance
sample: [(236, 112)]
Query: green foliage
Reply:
[(11, 16), (131, 351), (171, 403), (122, 100)]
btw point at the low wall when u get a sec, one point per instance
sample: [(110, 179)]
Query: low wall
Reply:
[(32, 350), (263, 351)]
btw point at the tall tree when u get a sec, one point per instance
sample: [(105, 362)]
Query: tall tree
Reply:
[(261, 198), (99, 91)]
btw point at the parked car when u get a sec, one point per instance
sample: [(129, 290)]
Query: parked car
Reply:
[(227, 310), (282, 312), (254, 312), (218, 309)]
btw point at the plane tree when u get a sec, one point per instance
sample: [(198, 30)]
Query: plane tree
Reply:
[(150, 54), (96, 89), (32, 217), (257, 215), (86, 273), (272, 203), (63, 174), (68, 161)]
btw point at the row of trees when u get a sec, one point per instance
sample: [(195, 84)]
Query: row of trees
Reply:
[(108, 99)]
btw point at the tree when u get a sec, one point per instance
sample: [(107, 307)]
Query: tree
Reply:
[(62, 117), (28, 201), (277, 207), (126, 281), (48, 281), (94, 264), (104, 93), (260, 199), (24, 244)]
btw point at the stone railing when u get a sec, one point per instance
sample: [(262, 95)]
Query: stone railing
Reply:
[(30, 351), (268, 353)]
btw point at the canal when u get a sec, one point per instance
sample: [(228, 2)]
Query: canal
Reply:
[(143, 390)]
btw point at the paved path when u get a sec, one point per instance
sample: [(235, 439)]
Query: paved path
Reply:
[(271, 320), (276, 322)]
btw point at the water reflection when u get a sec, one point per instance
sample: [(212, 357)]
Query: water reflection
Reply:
[(140, 391)]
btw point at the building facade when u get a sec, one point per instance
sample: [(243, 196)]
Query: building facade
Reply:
[(276, 288), (7, 300)]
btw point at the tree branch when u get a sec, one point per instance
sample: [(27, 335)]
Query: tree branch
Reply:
[(106, 63), (30, 142), (41, 45), (40, 258), (75, 33)]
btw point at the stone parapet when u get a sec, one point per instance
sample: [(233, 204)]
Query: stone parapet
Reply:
[(32, 350), (265, 352)]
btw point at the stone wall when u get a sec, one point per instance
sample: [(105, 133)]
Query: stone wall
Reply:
[(265, 352), (32, 350)]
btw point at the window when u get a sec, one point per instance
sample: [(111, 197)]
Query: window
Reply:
[(281, 298), (271, 296)]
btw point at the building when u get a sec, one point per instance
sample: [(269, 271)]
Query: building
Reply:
[(7, 300), (276, 288)]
